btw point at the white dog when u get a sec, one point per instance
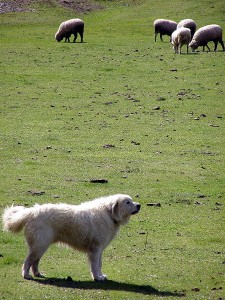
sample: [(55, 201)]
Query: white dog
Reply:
[(87, 227)]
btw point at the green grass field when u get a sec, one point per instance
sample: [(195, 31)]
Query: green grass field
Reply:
[(123, 108)]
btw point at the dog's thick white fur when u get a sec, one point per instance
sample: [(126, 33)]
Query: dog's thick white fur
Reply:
[(87, 227)]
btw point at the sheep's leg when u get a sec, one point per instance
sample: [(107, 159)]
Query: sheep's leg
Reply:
[(222, 44), (81, 37), (187, 48), (215, 43), (208, 47), (180, 49), (161, 37), (155, 36), (75, 37), (174, 48)]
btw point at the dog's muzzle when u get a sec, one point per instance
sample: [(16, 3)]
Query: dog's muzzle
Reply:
[(138, 207)]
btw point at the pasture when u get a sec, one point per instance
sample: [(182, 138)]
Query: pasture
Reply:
[(123, 108)]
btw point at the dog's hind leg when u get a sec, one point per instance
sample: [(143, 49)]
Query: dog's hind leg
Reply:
[(27, 265), (32, 262), (35, 270), (95, 258), (38, 244)]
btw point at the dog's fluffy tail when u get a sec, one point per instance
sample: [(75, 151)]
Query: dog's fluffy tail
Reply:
[(15, 218)]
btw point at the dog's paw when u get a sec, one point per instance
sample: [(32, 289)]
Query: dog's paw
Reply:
[(101, 277), (27, 276), (39, 275)]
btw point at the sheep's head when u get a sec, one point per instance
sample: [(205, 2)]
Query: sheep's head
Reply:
[(193, 45), (58, 36)]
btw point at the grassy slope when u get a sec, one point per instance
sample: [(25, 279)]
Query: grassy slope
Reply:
[(61, 103)]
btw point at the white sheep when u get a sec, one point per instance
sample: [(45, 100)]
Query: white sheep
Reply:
[(69, 27), (188, 23), (180, 37), (164, 27), (206, 34)]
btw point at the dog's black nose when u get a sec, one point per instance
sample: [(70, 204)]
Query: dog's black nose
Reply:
[(137, 208)]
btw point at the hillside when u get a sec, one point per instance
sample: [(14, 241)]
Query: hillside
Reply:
[(80, 6)]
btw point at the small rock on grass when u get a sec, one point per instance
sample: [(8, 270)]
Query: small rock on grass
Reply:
[(195, 289), (101, 180), (36, 193), (156, 108), (154, 204)]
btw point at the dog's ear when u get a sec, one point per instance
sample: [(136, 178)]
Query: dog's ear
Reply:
[(119, 214), (115, 207)]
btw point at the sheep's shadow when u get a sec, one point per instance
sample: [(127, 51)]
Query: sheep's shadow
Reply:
[(207, 51), (107, 286)]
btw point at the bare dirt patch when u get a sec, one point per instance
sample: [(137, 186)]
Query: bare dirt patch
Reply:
[(14, 6), (80, 6)]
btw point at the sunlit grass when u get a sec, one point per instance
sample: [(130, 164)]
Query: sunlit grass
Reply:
[(121, 107)]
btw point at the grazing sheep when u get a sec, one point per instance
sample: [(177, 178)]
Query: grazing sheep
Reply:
[(164, 27), (206, 34), (188, 23), (180, 37), (69, 27)]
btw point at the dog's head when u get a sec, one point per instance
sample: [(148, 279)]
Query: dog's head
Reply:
[(123, 207)]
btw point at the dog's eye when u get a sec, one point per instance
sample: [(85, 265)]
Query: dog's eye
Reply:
[(128, 202)]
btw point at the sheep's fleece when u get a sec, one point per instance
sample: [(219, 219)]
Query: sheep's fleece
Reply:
[(69, 27), (88, 227), (180, 37), (164, 27), (188, 23), (206, 34)]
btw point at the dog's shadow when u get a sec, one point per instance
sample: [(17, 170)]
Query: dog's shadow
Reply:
[(107, 286)]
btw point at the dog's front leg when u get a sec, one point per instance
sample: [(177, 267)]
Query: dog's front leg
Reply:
[(95, 258)]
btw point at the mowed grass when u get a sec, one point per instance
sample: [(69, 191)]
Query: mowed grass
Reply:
[(123, 108)]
